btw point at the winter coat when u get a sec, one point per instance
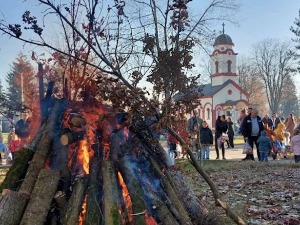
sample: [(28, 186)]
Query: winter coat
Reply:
[(279, 132), (290, 126), (221, 127), (264, 142), (14, 145), (230, 129), (295, 144), (246, 126), (267, 121), (206, 136)]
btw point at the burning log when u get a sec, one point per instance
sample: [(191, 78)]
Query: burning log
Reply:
[(71, 137), (42, 151), (94, 213), (41, 198), (182, 213), (110, 194), (74, 205), (117, 175)]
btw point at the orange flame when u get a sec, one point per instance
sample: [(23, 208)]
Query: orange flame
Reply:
[(83, 212), (149, 219), (126, 197), (84, 156)]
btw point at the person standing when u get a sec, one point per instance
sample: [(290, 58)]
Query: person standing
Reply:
[(251, 127), (3, 149), (14, 145), (22, 127), (275, 120), (230, 133), (190, 128), (290, 124), (295, 145), (206, 140), (265, 146), (267, 120), (221, 127)]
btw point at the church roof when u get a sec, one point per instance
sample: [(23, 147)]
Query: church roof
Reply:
[(209, 90), (223, 39)]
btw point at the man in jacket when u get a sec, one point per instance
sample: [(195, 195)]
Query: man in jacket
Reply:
[(251, 127)]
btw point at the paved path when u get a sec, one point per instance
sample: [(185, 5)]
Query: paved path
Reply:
[(236, 154)]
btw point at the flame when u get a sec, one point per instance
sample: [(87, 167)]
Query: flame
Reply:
[(84, 155), (126, 197), (149, 219), (83, 212)]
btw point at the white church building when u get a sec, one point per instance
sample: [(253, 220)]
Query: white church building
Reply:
[(223, 95)]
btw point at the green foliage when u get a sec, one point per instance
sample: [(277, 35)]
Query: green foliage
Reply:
[(18, 78)]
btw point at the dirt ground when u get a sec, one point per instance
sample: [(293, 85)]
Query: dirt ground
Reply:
[(260, 193)]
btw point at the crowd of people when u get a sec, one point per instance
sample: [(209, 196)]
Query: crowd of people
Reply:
[(17, 138), (271, 136)]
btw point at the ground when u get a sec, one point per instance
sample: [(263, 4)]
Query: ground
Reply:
[(260, 193)]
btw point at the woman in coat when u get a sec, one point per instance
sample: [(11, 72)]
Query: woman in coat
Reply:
[(221, 127)]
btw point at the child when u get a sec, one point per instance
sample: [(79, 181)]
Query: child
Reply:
[(265, 145), (172, 143), (295, 145), (3, 149), (206, 139), (14, 145), (279, 131)]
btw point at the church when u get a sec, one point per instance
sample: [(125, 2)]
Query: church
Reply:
[(223, 95)]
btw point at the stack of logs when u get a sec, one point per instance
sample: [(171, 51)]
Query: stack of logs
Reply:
[(40, 188)]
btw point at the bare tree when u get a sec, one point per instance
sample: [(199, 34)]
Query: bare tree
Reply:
[(252, 84), (274, 61), (159, 35)]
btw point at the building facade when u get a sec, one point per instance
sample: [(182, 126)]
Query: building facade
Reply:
[(223, 95)]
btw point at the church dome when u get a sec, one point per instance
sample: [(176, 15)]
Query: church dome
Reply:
[(223, 39)]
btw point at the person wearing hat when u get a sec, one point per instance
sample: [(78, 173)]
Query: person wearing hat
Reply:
[(22, 127), (265, 146)]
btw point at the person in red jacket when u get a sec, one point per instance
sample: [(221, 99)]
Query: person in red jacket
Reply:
[(14, 145)]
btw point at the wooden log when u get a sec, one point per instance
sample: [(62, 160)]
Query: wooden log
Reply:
[(94, 214), (17, 170), (41, 198), (196, 209), (176, 205), (135, 190), (154, 147), (74, 205), (42, 149), (110, 194), (71, 137), (12, 205)]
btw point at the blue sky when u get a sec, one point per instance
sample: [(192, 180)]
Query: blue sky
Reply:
[(258, 20)]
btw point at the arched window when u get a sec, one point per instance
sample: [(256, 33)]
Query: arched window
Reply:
[(208, 113), (217, 66), (229, 66)]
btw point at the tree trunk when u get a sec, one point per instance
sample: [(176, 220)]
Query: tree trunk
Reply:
[(17, 170), (42, 150), (41, 198), (176, 205), (111, 203), (94, 214), (12, 205), (74, 205), (191, 202)]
